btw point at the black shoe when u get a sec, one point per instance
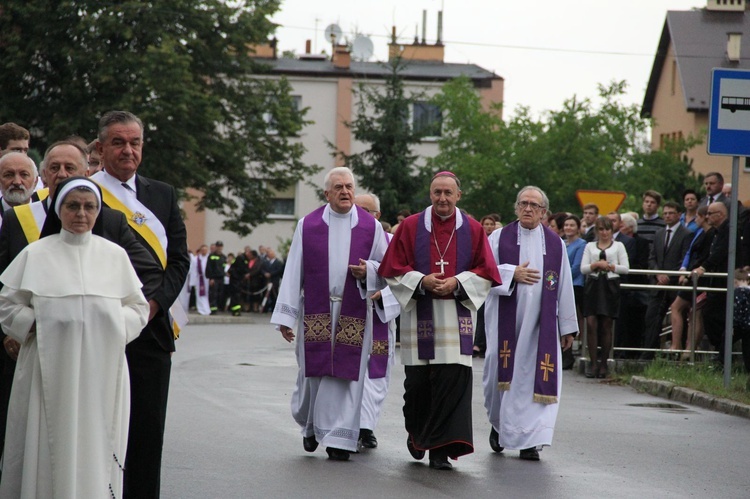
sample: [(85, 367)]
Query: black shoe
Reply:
[(367, 439), (530, 454), (309, 443), (416, 454), (335, 454), (440, 463), (495, 441), (236, 313)]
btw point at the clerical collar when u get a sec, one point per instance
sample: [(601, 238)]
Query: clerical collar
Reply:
[(444, 218)]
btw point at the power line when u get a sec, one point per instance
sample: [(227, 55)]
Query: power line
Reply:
[(506, 46)]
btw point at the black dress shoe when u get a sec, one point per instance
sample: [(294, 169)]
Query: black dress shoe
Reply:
[(530, 454), (495, 441), (367, 439), (309, 443), (416, 454), (335, 454), (440, 463)]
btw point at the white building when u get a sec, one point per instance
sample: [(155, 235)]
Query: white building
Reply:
[(325, 86)]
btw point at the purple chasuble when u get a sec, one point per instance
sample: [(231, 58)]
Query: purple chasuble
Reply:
[(545, 380), (422, 257), (342, 358)]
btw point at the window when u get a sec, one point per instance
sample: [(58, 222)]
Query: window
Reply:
[(427, 118), (282, 205)]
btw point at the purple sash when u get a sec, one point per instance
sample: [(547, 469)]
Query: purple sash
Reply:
[(342, 359), (378, 363), (545, 380), (422, 257)]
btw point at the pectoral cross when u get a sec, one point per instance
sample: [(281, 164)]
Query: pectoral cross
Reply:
[(442, 263), (547, 367)]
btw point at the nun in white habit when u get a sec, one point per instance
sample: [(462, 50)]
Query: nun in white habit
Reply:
[(73, 301)]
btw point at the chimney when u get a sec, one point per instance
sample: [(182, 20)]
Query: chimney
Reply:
[(342, 59), (733, 46), (308, 46), (439, 40)]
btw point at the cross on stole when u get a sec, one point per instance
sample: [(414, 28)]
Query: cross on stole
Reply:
[(547, 367), (442, 263), (505, 354)]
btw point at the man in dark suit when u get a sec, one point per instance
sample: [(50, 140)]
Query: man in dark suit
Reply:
[(154, 215), (62, 160), (714, 184), (714, 319), (667, 252), (590, 214)]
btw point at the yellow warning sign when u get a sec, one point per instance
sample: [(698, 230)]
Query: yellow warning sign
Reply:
[(607, 201)]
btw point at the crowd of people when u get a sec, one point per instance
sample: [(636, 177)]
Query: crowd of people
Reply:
[(247, 281), (93, 256), (525, 290)]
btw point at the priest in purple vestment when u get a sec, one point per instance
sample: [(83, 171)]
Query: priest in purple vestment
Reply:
[(440, 268), (528, 319), (325, 293)]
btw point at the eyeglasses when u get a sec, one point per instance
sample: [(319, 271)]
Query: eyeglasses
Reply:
[(528, 204), (712, 212)]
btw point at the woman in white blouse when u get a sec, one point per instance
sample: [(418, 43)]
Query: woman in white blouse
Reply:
[(604, 260)]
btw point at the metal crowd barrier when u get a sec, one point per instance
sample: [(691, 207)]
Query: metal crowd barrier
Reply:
[(696, 290)]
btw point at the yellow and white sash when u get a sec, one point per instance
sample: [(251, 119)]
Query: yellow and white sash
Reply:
[(31, 216), (146, 224)]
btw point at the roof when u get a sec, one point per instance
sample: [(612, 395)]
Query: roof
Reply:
[(412, 70), (699, 38)]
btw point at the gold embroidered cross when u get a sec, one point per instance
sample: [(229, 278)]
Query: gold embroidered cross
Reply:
[(547, 367), (505, 354)]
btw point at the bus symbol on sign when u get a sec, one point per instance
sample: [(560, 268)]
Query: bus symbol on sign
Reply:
[(735, 103)]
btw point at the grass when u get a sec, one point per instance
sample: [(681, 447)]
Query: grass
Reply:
[(706, 377)]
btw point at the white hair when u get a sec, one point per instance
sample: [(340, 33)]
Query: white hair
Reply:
[(545, 199), (14, 154), (339, 170), (630, 222)]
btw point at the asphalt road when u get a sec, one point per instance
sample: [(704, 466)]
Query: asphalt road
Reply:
[(230, 434)]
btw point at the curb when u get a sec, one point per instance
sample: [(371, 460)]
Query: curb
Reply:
[(670, 391), (223, 318)]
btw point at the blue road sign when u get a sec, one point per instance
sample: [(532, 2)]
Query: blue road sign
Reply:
[(729, 113)]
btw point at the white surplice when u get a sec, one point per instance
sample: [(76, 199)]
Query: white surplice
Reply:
[(520, 422), (326, 407), (70, 404)]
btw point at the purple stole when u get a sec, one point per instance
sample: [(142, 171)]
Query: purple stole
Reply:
[(201, 280), (378, 363), (422, 259), (545, 380), (342, 359)]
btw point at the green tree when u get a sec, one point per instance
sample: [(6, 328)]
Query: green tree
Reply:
[(184, 68), (580, 146), (387, 167)]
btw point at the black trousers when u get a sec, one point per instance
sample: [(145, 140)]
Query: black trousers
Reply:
[(437, 408), (150, 367)]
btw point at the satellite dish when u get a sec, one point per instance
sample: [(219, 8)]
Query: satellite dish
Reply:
[(362, 48), (333, 33)]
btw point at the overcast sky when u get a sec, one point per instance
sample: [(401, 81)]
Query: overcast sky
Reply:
[(546, 50)]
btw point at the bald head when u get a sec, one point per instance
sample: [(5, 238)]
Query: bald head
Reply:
[(717, 213), (369, 202)]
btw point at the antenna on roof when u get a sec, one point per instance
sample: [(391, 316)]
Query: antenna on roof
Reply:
[(362, 48), (333, 33)]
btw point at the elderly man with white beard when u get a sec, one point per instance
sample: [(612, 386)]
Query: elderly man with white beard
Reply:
[(18, 178)]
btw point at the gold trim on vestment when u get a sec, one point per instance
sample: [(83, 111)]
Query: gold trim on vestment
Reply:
[(379, 347), (352, 331), (545, 399), (317, 327)]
